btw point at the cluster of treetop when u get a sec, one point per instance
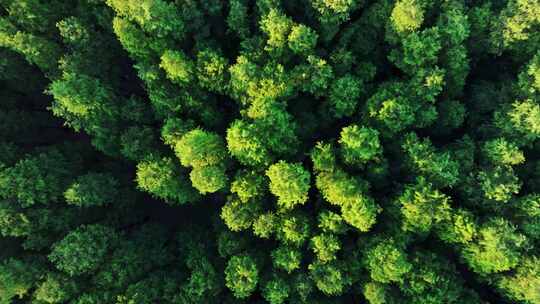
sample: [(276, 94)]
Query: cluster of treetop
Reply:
[(267, 151)]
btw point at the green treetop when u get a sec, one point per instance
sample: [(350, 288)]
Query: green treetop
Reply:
[(359, 144), (423, 207), (199, 148), (407, 16), (286, 258), (83, 250), (290, 183), (179, 68), (302, 39), (498, 247), (241, 275), (93, 189), (276, 291), (387, 262), (166, 180)]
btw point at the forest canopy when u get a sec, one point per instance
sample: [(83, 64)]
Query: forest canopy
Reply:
[(267, 151)]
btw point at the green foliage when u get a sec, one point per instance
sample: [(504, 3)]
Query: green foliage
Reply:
[(333, 10), (499, 183), (154, 16), (344, 95), (302, 39), (389, 109), (173, 129), (237, 19), (357, 209), (497, 248), (290, 183), (205, 152), (55, 289), (439, 167), (407, 16), (178, 67), (239, 215), (423, 207), (286, 258), (276, 291), (315, 76), (325, 247), (419, 49), (517, 20), (73, 31), (208, 179), (38, 179), (277, 27), (451, 114), (360, 212), (245, 144), (134, 40), (359, 144), (198, 148), (165, 179), (83, 250), (248, 185), (81, 97), (328, 278), (529, 78), (459, 228), (375, 293), (521, 120), (527, 210), (230, 243), (523, 284), (93, 189), (265, 225), (293, 229), (323, 157), (211, 70), (331, 222), (241, 275), (501, 152), (387, 262), (243, 74), (337, 187), (159, 151), (432, 281), (36, 49), (17, 277), (138, 143)]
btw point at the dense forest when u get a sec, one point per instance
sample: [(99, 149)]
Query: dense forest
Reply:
[(267, 151)]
